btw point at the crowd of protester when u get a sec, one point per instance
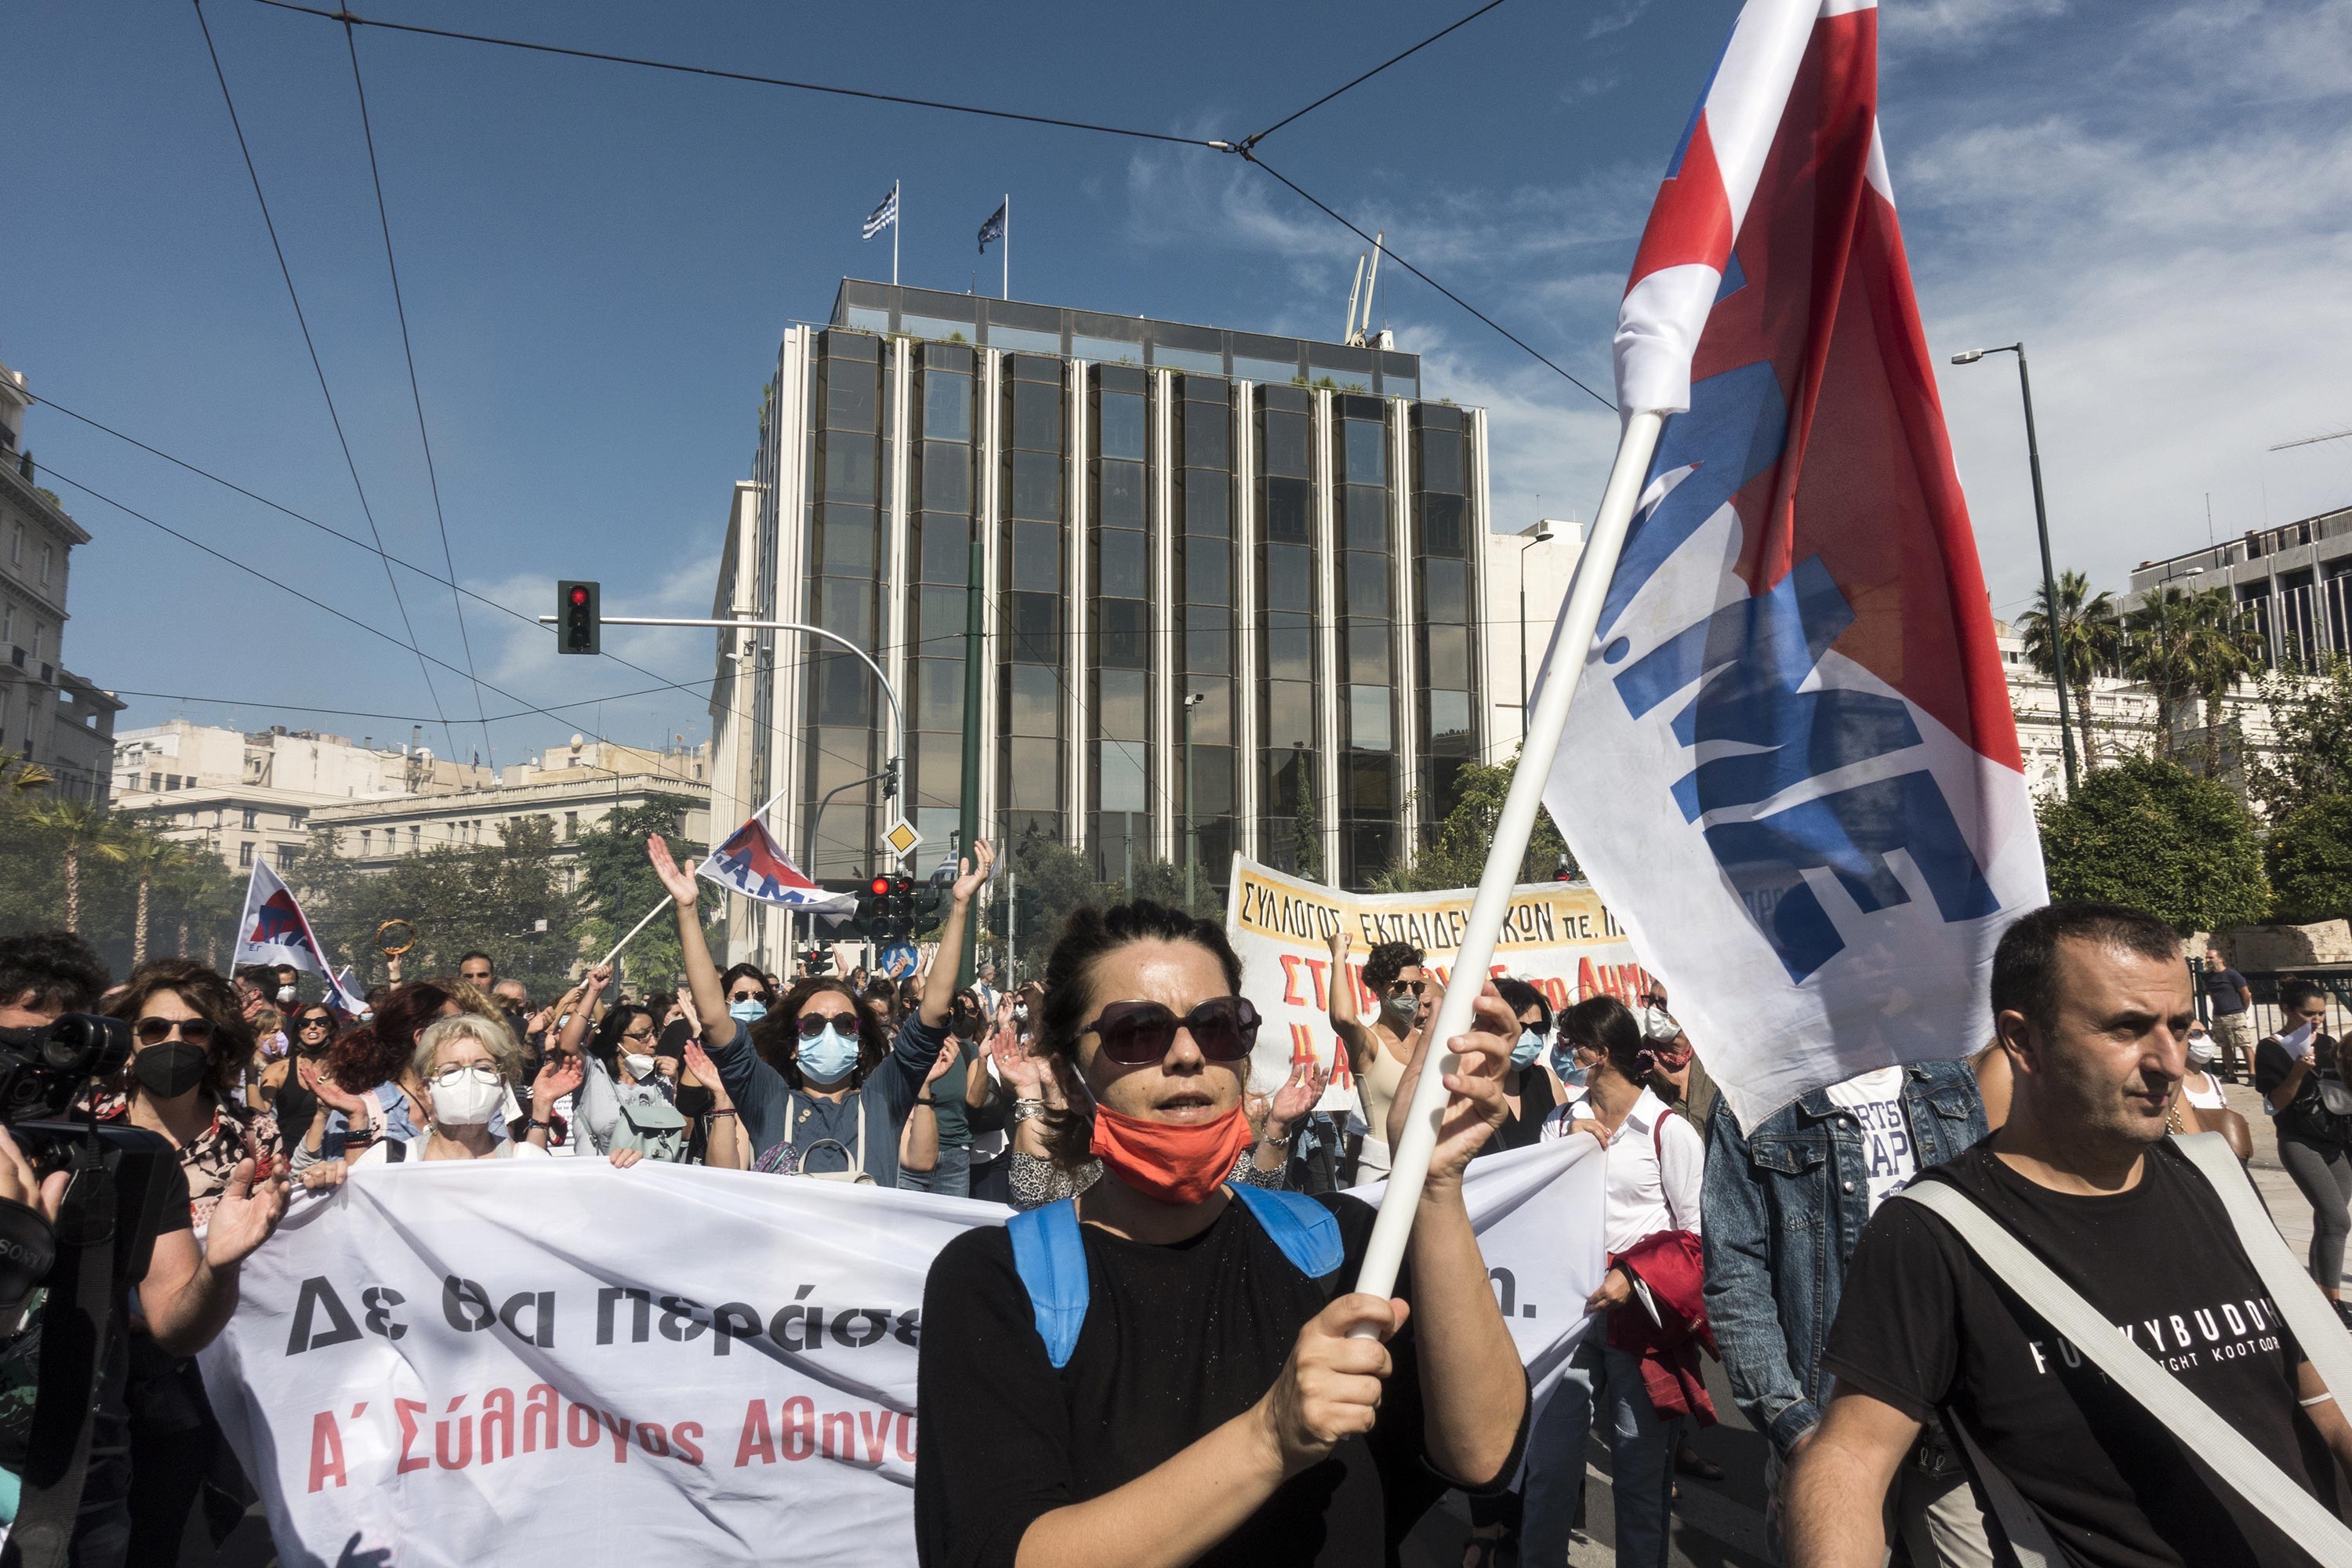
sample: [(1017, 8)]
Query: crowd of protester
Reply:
[(1109, 1103)]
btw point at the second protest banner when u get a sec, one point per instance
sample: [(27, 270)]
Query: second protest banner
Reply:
[(1558, 937)]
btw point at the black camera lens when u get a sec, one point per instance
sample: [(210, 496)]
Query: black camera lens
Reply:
[(86, 1045)]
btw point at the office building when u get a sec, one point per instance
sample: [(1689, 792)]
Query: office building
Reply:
[(1285, 529), (2292, 581), (48, 715)]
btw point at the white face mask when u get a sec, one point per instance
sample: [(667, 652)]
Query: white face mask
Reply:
[(2202, 1051), (640, 1068), (469, 1099)]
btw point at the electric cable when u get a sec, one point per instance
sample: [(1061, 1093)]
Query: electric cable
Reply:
[(1249, 142), (303, 322), (416, 394)]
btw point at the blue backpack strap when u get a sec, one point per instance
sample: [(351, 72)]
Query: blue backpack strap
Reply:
[(1051, 1258), (1308, 1233)]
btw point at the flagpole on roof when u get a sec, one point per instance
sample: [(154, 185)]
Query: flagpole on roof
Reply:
[(1008, 245), (1579, 620), (897, 223)]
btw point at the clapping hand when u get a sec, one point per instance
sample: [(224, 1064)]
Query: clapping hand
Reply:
[(699, 1063), (559, 1075), (946, 1059), (1296, 1097), (249, 1209)]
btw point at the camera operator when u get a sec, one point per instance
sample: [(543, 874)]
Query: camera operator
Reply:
[(185, 1294)]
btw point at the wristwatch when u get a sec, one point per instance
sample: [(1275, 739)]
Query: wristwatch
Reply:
[(1022, 1110)]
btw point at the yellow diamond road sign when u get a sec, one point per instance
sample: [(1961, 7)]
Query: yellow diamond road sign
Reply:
[(902, 837)]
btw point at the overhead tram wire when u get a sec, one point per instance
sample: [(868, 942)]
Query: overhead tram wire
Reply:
[(1249, 142), (1244, 148), (417, 395), (285, 271), (351, 19)]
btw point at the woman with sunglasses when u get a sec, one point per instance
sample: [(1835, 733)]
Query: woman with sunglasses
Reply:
[(635, 1094), (291, 1082), (1200, 1398), (1377, 1053), (190, 1041), (816, 1078)]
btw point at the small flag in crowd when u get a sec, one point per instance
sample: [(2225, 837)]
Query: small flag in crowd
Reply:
[(995, 227), (273, 929), (345, 996), (1816, 823), (752, 863), (883, 216)]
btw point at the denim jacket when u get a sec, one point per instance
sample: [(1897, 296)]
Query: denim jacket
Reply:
[(1784, 1207)]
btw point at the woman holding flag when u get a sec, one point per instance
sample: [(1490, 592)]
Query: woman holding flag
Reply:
[(1163, 1369)]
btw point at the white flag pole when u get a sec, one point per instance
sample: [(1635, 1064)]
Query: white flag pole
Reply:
[(897, 221), (1008, 245), (1409, 1160)]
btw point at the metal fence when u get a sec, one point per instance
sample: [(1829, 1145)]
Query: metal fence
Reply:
[(2334, 979)]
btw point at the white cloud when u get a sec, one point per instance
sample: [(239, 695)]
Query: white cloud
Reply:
[(1946, 25)]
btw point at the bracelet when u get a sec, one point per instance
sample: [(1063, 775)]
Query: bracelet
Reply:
[(1269, 1135), (1026, 1109), (715, 1115), (542, 1126), (921, 1101)]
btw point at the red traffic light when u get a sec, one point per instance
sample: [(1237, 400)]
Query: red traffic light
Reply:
[(578, 594), (879, 887)]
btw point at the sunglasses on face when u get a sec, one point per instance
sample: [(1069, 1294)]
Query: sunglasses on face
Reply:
[(154, 1031), (811, 1024), (310, 1024), (1135, 1033), (1407, 988), (747, 996)]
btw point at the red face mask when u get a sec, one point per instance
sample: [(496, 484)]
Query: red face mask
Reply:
[(1176, 1162)]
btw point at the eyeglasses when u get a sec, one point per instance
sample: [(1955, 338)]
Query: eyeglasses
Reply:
[(811, 1024), (1135, 1033), (307, 1025), (747, 996), (1407, 988), (154, 1031), (480, 1072), (637, 1036)]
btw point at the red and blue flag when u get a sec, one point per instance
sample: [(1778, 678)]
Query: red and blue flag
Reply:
[(1791, 767), (273, 928), (751, 863)]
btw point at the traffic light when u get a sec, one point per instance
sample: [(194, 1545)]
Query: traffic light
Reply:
[(901, 915), (820, 960), (578, 617), (872, 908), (1563, 872)]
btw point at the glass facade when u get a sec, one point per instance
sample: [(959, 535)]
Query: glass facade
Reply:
[(1167, 511), (1120, 554)]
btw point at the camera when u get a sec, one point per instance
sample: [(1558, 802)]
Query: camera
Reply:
[(41, 1077)]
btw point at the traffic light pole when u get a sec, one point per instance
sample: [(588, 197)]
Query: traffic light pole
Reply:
[(967, 796)]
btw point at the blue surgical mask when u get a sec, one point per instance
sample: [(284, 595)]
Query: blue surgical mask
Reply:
[(1563, 1062), (1530, 1044), (829, 1057), (750, 1010)]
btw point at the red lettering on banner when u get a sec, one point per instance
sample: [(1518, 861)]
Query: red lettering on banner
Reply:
[(408, 1410), (874, 1426), (464, 1427), (618, 1426), (653, 1439), (539, 1406), (1291, 964), (800, 1428), (326, 1451), (907, 1439), (682, 1438), (759, 1439), (838, 1438), (583, 1434), (498, 1424)]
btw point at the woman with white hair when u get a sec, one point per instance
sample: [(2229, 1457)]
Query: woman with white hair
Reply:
[(467, 1062)]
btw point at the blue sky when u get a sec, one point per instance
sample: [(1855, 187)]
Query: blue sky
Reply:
[(597, 262)]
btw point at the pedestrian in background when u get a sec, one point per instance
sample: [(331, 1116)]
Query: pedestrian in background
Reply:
[(2300, 1073), (2230, 1001)]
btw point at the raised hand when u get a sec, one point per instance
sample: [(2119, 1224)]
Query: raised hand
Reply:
[(1022, 1072), (358, 1110), (947, 1058), (1297, 1095), (594, 981), (1475, 1101), (685, 1010), (248, 1210), (681, 882), (971, 873), (699, 1063), (559, 1075)]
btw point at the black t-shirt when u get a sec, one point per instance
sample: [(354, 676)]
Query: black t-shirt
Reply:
[(1925, 1328), (1178, 1340), (2305, 1116), (1536, 1102), (2224, 991)]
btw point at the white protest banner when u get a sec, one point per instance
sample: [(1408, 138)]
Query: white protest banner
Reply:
[(1558, 937), (662, 1365)]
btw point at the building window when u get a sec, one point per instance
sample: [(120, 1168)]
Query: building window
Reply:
[(244, 854), (17, 545), (571, 826), (367, 840), (286, 855), (415, 837), (49, 558), (252, 818)]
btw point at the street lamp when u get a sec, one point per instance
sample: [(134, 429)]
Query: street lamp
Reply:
[(2041, 527), (1190, 857), (1543, 536)]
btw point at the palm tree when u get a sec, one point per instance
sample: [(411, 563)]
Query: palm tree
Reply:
[(2084, 634), (23, 776), (83, 829), (2229, 647), (2162, 638), (152, 858)]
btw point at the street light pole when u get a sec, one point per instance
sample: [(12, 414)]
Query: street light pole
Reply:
[(1191, 857), (1543, 536), (2041, 527)]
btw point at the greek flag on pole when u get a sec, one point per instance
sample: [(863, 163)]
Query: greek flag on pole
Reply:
[(751, 863), (1791, 768), (273, 928), (993, 229), (883, 216)]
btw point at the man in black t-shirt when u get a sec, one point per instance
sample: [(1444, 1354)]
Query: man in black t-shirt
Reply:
[(2231, 1003), (2092, 1006)]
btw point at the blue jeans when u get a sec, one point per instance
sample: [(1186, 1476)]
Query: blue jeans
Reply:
[(1641, 1450), (951, 1178)]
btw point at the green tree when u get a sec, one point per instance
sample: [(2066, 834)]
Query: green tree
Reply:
[(2309, 858), (1162, 882), (147, 856), (2161, 646), (490, 895), (615, 885), (2311, 757), (2149, 833), (2083, 636), (1049, 880), (1452, 853), (82, 832)]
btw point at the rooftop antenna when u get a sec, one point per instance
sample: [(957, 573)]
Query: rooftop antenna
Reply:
[(2313, 440), (1370, 284), (1355, 293)]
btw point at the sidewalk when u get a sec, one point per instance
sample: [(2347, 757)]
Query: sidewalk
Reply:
[(2289, 1211)]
